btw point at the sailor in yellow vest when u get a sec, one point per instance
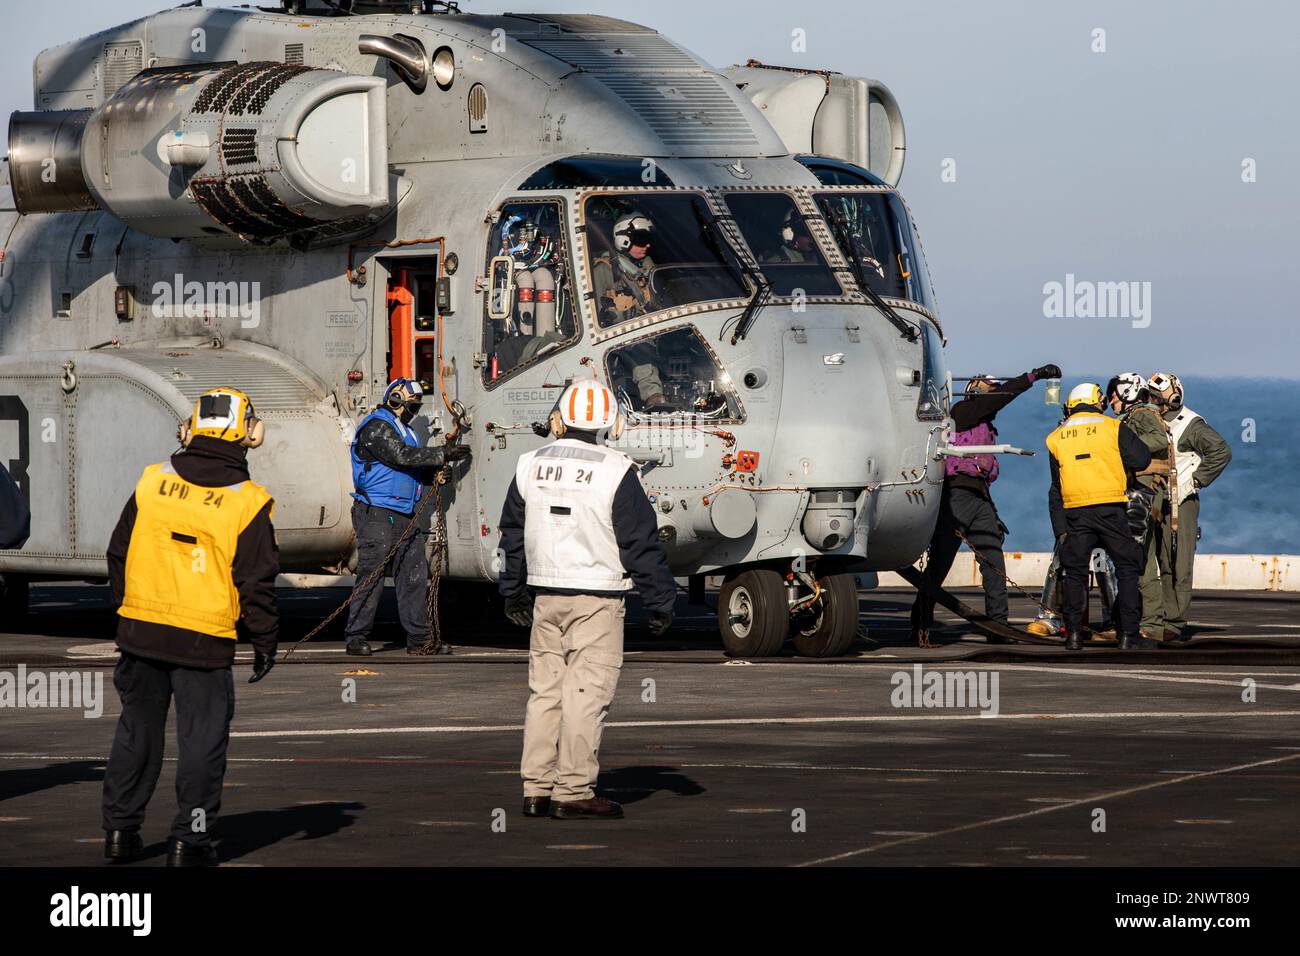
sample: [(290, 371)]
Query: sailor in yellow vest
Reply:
[(192, 559), (1093, 462)]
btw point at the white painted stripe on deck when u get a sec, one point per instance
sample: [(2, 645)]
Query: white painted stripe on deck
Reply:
[(1126, 674), (1011, 817), (759, 721)]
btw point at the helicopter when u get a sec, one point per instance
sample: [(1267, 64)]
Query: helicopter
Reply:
[(307, 201)]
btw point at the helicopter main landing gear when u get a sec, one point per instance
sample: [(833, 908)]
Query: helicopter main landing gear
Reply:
[(758, 608)]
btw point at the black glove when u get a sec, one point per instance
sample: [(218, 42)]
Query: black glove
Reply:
[(519, 609), (262, 664), (660, 621), (452, 453), (1047, 371)]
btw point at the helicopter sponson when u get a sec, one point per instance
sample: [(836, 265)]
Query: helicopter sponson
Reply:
[(307, 203)]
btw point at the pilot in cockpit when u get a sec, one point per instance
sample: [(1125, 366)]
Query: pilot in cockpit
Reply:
[(622, 279), (796, 243)]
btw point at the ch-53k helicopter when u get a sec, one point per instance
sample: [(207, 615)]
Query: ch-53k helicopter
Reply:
[(306, 202)]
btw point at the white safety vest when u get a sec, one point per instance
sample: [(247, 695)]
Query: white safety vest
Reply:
[(568, 489), (1185, 462)]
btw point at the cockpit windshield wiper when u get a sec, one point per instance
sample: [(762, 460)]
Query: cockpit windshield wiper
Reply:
[(739, 268), (722, 248), (842, 236), (761, 292)]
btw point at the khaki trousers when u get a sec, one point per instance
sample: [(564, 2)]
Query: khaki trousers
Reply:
[(575, 655)]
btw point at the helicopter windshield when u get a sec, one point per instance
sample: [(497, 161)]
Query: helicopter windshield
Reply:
[(786, 251), (874, 229), (653, 251)]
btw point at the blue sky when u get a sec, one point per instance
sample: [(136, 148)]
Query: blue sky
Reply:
[(1122, 166)]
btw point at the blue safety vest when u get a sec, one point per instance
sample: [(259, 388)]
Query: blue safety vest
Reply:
[(379, 484)]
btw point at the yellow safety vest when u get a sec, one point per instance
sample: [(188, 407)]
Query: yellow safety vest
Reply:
[(178, 564), (1086, 449)]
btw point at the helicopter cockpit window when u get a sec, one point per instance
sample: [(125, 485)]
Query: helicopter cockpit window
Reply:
[(530, 296), (874, 231), (654, 251), (590, 172), (671, 377), (780, 239), (934, 401)]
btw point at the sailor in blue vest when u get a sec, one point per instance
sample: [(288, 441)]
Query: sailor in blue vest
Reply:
[(389, 471)]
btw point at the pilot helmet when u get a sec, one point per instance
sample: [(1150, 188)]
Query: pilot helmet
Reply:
[(633, 230)]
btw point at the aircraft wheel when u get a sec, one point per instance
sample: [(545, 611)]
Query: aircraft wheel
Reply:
[(753, 614), (13, 597), (830, 632)]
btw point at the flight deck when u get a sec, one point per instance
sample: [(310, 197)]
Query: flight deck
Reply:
[(1193, 754)]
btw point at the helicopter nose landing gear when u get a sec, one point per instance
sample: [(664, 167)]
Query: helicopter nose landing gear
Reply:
[(759, 608), (752, 613), (827, 626)]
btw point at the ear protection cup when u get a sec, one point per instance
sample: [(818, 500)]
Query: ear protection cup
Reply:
[(556, 421), (256, 433)]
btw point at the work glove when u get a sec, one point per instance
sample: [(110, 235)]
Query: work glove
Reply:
[(452, 453), (262, 664), (519, 609), (1047, 371), (660, 621)]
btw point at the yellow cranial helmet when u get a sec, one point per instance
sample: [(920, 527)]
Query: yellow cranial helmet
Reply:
[(226, 414), (1088, 393)]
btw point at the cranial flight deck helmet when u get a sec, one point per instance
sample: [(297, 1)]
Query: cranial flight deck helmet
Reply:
[(226, 414), (1129, 386), (1167, 382), (587, 406), (1084, 395)]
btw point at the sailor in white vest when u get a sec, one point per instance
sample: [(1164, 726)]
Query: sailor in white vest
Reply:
[(578, 530), (1200, 455)]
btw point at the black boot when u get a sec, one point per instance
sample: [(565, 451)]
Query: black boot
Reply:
[(1074, 640), (537, 806), (182, 854), (122, 846), (1135, 642), (358, 648)]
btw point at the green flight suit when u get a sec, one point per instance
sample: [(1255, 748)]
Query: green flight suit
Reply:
[(1176, 552)]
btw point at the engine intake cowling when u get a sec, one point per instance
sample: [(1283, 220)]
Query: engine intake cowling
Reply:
[(264, 151)]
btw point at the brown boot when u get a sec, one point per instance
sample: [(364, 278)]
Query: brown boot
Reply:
[(594, 807)]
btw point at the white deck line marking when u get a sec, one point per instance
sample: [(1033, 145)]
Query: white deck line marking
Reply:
[(755, 721), (1008, 818), (1133, 675)]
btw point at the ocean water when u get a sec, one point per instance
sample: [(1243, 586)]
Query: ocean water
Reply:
[(1253, 507)]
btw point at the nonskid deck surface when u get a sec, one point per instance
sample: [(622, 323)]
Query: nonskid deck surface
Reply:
[(782, 762)]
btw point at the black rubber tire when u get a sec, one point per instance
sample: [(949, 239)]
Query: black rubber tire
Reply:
[(832, 633), (14, 597), (760, 593)]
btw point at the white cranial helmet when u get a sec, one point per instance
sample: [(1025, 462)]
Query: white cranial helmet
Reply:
[(633, 230), (1129, 386), (1168, 382), (590, 407)]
